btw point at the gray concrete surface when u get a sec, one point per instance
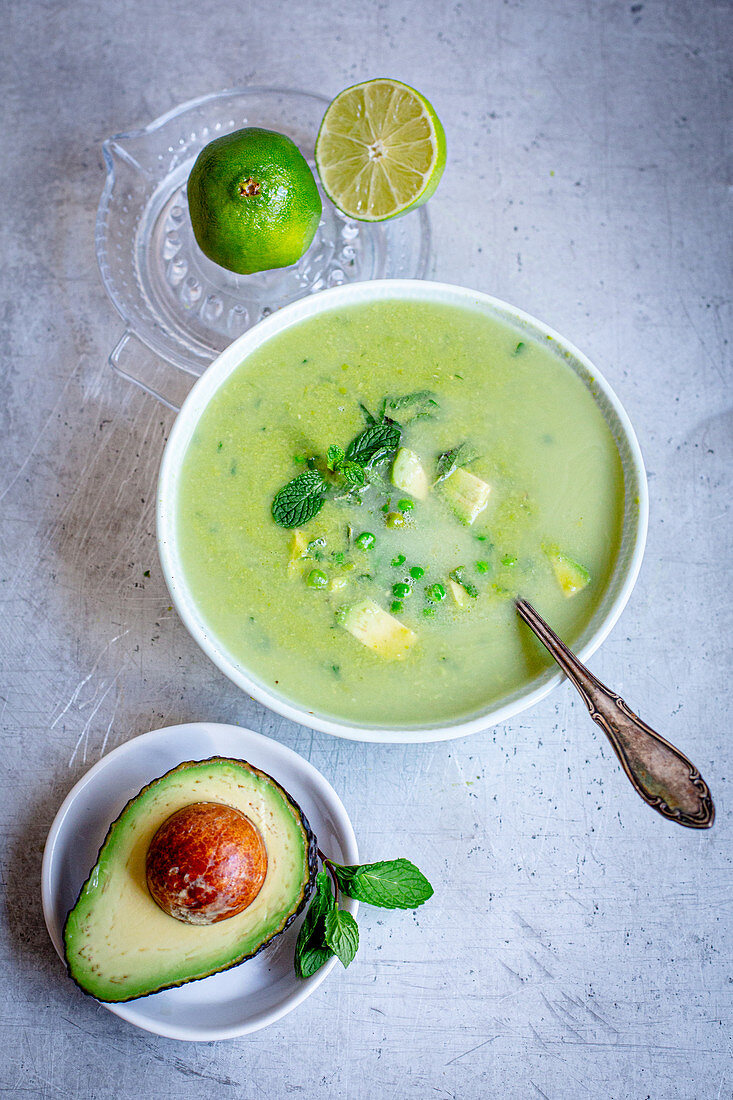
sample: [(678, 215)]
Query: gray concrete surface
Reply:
[(578, 945)]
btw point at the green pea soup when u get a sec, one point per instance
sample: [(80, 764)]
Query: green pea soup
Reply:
[(289, 605)]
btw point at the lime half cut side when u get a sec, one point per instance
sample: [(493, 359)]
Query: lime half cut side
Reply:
[(380, 150)]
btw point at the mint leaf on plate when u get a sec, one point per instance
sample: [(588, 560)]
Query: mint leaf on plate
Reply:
[(311, 949), (342, 934), (311, 960), (300, 500), (391, 884)]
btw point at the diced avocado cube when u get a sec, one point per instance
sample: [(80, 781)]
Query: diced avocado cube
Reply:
[(570, 575), (378, 630), (459, 594), (298, 550), (409, 474), (467, 494)]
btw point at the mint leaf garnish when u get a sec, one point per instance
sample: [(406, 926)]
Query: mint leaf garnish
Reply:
[(335, 457), (342, 934), (391, 884), (353, 473), (311, 949), (378, 437), (303, 497), (300, 500), (451, 460)]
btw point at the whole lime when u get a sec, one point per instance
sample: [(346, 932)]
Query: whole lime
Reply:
[(253, 201)]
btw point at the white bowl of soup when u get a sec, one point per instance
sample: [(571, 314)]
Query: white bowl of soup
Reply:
[(357, 488)]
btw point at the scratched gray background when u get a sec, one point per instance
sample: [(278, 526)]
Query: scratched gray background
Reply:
[(578, 945)]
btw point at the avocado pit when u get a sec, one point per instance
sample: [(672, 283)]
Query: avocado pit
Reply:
[(206, 863)]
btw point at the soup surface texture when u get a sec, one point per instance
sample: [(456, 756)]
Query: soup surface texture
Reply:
[(282, 602)]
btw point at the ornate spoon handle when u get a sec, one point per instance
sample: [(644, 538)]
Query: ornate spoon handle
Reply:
[(659, 772)]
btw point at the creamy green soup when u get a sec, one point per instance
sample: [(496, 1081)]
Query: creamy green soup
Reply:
[(393, 604)]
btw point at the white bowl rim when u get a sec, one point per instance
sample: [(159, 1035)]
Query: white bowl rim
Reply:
[(232, 357), (322, 791)]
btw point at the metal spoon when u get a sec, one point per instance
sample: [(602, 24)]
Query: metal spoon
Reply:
[(659, 772)]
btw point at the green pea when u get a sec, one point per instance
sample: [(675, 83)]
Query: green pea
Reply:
[(395, 519), (435, 592), (401, 590), (337, 556), (405, 505), (508, 559), (398, 561), (396, 607), (316, 579), (365, 540), (417, 571), (482, 567)]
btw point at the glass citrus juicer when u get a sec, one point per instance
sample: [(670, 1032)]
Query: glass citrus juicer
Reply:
[(179, 308)]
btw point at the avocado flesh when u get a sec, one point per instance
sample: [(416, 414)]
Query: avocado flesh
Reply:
[(120, 945)]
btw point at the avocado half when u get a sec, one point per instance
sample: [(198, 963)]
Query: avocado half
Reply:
[(120, 945)]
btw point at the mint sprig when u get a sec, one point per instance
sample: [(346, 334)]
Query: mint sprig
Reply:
[(344, 472), (328, 930)]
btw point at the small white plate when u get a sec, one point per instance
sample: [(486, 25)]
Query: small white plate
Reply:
[(247, 997)]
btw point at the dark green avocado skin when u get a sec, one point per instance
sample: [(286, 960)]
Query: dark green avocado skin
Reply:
[(307, 891)]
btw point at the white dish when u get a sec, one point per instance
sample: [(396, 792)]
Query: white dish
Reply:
[(247, 997), (635, 510)]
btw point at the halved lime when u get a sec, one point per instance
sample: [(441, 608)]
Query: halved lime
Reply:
[(380, 150)]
